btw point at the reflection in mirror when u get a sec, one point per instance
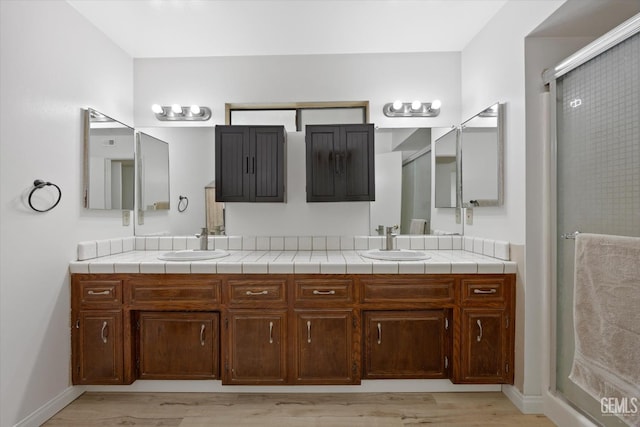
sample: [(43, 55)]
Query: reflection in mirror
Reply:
[(153, 173), (446, 173), (108, 162), (481, 146)]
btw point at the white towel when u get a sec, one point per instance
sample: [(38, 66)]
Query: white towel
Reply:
[(606, 314), (417, 226)]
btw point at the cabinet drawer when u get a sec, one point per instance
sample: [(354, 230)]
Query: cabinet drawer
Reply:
[(319, 290), (257, 291), (175, 291), (478, 291), (100, 292), (408, 290)]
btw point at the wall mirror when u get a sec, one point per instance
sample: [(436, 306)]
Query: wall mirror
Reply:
[(481, 142), (153, 173), (109, 169), (446, 174)]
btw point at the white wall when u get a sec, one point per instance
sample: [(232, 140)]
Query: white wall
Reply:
[(493, 69), (373, 77), (53, 63)]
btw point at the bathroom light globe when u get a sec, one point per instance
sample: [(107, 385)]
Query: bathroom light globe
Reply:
[(416, 105), (397, 105), (157, 109), (176, 109), (195, 110), (435, 105)]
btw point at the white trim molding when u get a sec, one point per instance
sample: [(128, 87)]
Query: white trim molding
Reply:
[(525, 403), (52, 407)]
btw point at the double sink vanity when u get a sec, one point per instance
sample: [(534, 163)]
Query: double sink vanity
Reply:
[(292, 311)]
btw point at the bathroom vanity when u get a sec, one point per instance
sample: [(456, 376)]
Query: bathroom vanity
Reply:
[(294, 328)]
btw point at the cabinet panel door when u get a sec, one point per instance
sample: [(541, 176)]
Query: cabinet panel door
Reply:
[(267, 164), (256, 348), (322, 164), (356, 160), (326, 350), (99, 349), (485, 344), (405, 344), (233, 151), (175, 345)]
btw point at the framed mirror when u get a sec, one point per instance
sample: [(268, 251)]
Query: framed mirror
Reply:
[(153, 173), (446, 174), (109, 168), (481, 147)]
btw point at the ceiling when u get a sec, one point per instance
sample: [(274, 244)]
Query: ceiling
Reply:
[(193, 28)]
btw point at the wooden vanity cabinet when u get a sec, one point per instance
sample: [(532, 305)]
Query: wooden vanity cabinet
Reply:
[(178, 345), (406, 344), (97, 331), (486, 331)]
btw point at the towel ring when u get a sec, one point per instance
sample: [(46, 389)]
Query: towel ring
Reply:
[(183, 206), (39, 184)]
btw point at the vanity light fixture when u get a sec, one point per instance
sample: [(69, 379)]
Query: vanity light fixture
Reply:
[(177, 112), (412, 109)]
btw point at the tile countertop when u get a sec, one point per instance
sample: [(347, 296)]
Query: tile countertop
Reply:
[(298, 262)]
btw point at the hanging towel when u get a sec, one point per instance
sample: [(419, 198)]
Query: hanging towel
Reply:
[(417, 226), (606, 314)]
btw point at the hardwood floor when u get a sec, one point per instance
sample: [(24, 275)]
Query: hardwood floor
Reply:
[(289, 410)]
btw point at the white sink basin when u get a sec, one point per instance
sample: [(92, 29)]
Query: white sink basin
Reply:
[(192, 255), (395, 255)]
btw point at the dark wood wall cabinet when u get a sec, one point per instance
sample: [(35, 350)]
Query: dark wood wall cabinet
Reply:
[(340, 163), (292, 329), (250, 163)]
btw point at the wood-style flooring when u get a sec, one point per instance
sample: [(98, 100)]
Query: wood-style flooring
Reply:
[(294, 410)]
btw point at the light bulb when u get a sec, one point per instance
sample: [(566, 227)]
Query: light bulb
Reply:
[(157, 109), (397, 105), (436, 104), (195, 110), (176, 109), (416, 105)]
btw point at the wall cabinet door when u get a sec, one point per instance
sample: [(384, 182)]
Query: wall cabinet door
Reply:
[(485, 346), (340, 163), (98, 355), (406, 344), (249, 164), (256, 350), (326, 347), (178, 345)]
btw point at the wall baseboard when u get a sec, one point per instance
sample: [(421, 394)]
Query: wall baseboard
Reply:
[(52, 407), (525, 404)]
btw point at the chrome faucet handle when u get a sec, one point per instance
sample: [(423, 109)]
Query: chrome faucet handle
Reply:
[(391, 229)]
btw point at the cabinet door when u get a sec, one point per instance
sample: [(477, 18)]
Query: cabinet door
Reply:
[(356, 158), (326, 347), (322, 145), (177, 345), (256, 347), (267, 164), (485, 346), (98, 349), (406, 344), (233, 156)]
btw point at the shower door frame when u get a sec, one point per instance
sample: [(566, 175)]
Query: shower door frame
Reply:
[(619, 34)]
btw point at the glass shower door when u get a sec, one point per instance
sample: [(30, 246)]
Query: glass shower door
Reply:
[(598, 180)]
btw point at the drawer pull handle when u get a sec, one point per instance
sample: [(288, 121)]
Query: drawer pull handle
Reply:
[(308, 331), (485, 291), (270, 332), (317, 292), (105, 292), (202, 328), (265, 292), (479, 337), (379, 333), (102, 332)]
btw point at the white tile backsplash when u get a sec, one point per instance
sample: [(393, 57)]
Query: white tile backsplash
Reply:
[(305, 243), (333, 243), (263, 243), (319, 243), (104, 247), (277, 243), (248, 243), (431, 243), (347, 243), (291, 243)]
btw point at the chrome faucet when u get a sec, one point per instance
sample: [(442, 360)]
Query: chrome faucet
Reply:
[(390, 237), (204, 239)]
